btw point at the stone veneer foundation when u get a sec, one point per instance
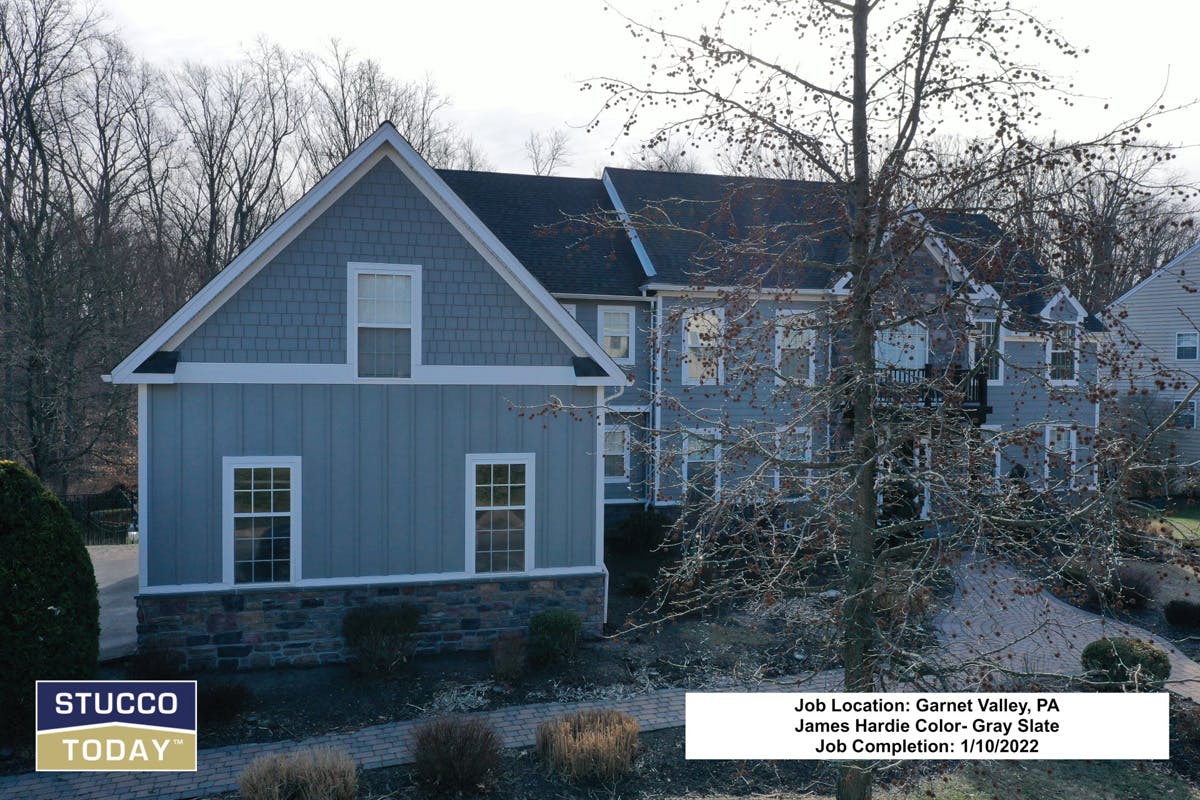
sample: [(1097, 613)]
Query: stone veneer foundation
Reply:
[(252, 628)]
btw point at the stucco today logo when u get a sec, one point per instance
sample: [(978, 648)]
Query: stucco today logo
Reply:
[(116, 726)]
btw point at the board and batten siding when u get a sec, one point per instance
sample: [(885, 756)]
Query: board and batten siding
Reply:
[(383, 467), (294, 309)]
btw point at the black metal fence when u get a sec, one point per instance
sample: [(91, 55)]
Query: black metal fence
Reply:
[(105, 517)]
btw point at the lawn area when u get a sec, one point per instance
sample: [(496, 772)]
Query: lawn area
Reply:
[(1180, 521)]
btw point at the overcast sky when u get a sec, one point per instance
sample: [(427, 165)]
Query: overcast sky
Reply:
[(515, 66)]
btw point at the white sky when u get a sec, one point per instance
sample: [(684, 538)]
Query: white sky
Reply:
[(512, 66)]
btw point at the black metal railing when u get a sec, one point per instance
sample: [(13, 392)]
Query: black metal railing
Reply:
[(932, 386)]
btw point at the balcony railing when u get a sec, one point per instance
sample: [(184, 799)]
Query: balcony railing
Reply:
[(931, 386)]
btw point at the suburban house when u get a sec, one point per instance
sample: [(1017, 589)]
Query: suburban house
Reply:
[(1156, 345), (431, 386)]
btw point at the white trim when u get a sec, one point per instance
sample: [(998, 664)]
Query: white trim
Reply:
[(386, 142), (295, 527), (1000, 330), (379, 580), (706, 433), (1072, 455), (1176, 404), (1196, 346), (811, 333), (1075, 350), (1063, 293), (630, 313), (627, 222), (411, 271), (629, 409), (718, 345), (997, 451), (598, 465), (528, 460), (624, 477), (842, 283), (680, 290), (618, 298), (571, 309), (624, 501), (1137, 287), (437, 374), (143, 446), (656, 377)]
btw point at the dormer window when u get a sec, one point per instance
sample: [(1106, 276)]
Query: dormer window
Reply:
[(384, 320)]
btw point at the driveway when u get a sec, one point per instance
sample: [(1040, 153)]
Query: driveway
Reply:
[(116, 568)]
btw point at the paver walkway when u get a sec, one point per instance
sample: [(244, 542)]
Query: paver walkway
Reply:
[(1016, 624)]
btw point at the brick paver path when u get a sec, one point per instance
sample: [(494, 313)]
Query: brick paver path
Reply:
[(1015, 624)]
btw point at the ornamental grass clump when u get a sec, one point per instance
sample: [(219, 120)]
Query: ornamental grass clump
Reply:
[(593, 744), (311, 774)]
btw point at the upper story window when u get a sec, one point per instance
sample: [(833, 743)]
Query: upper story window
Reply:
[(702, 361), (987, 345), (1187, 346), (616, 325), (792, 474), (262, 519), (385, 320), (616, 453), (1186, 415), (902, 347), (1060, 456), (1062, 357), (795, 348)]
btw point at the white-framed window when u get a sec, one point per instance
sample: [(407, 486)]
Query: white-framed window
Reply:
[(500, 512), (384, 320), (570, 309), (261, 528), (795, 348), (702, 360), (987, 345), (1187, 346), (616, 326), (616, 453), (1060, 456), (701, 464), (1186, 416), (793, 451), (905, 346), (1062, 354)]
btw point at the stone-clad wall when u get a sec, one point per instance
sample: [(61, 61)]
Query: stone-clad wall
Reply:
[(258, 628)]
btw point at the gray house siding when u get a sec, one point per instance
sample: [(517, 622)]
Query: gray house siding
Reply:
[(586, 314), (294, 309), (383, 473)]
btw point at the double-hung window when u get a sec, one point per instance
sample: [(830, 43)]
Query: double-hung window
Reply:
[(616, 325), (702, 361), (1062, 354), (794, 452), (1187, 346), (795, 348), (1060, 456), (986, 347), (262, 519), (385, 320), (500, 503), (1185, 416), (616, 453), (701, 464)]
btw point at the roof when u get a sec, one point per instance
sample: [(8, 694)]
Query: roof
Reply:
[(721, 230), (540, 220)]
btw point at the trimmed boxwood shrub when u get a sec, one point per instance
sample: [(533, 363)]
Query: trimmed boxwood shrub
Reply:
[(1182, 613), (49, 609), (554, 636), (1120, 664), (381, 638)]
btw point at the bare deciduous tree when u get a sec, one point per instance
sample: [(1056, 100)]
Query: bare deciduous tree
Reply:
[(547, 152)]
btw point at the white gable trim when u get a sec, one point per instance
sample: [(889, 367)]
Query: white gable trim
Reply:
[(1064, 293), (384, 143), (634, 239), (1137, 287)]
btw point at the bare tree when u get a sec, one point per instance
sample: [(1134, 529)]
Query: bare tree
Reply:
[(547, 152)]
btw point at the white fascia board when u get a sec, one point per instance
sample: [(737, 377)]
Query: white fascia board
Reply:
[(1137, 287), (385, 142), (423, 375), (1064, 292), (620, 298), (627, 221), (676, 290)]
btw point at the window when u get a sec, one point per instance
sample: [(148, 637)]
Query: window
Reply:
[(986, 346), (793, 451), (702, 362), (1060, 456), (1061, 353), (262, 520), (795, 348), (903, 347), (1187, 346), (701, 470), (570, 309), (500, 513), (616, 332), (384, 308), (1186, 416), (616, 453)]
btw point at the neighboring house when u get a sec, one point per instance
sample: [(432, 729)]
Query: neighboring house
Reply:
[(429, 386), (1156, 358)]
